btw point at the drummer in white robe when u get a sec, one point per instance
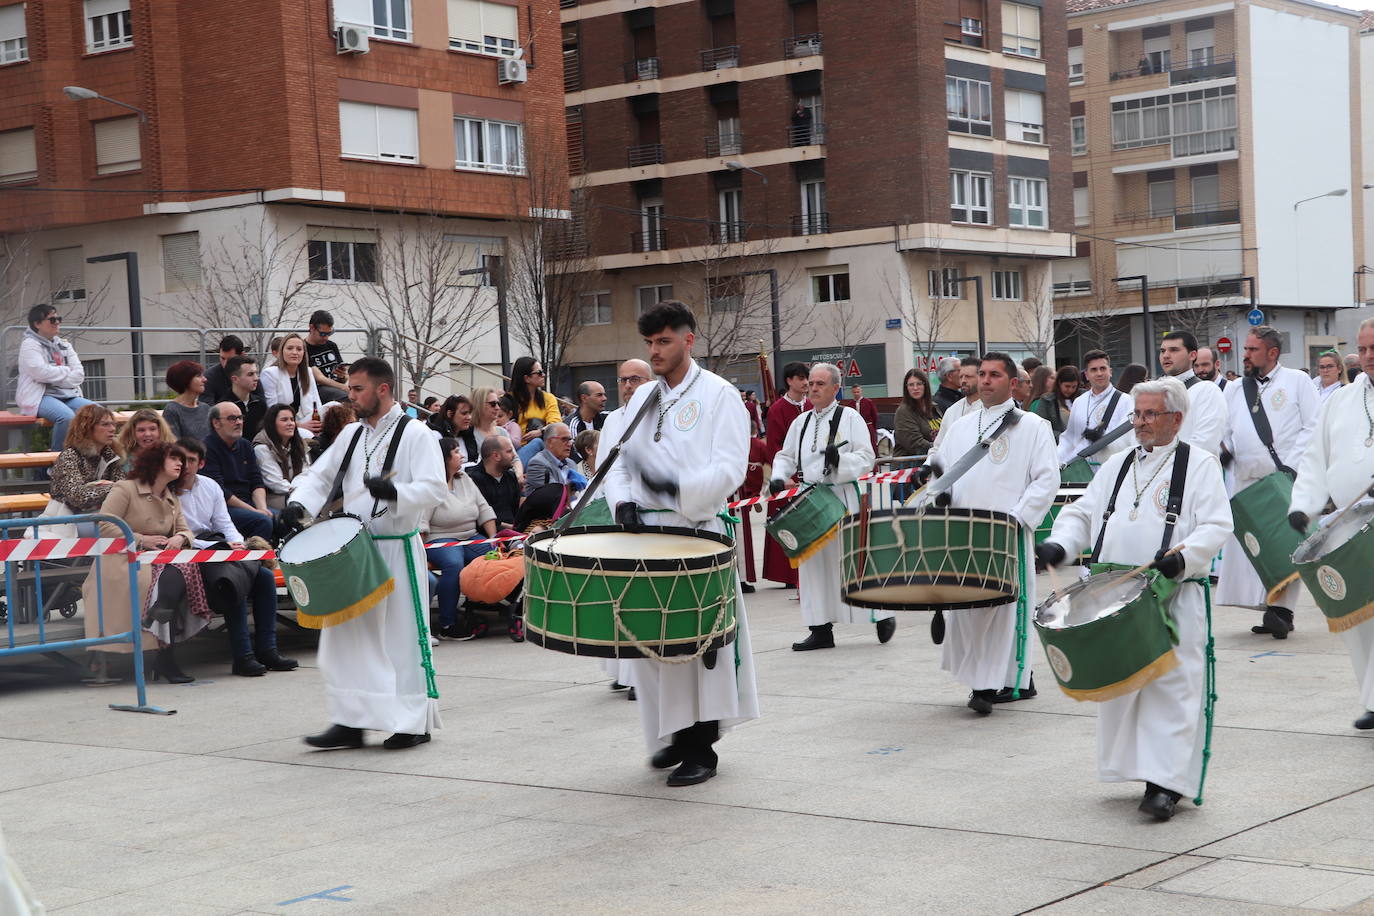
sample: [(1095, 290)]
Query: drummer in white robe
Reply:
[(1339, 466), (1095, 412), (1155, 734), (372, 666), (678, 469), (836, 466), (1018, 475), (1290, 402), (1206, 422)]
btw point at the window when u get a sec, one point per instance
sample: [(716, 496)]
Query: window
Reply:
[(728, 136), (970, 199), (646, 297), (943, 283), (1020, 30), (1201, 45), (1161, 194), (386, 18), (1140, 122), (93, 385), (968, 105), (1082, 207), (971, 31), (832, 286), (181, 261), (595, 308), (116, 146), (1196, 121), (1206, 192), (652, 236), (1006, 284), (815, 220), (1155, 56), (725, 294), (14, 40), (489, 146), (731, 202), (1075, 65), (1025, 116), (67, 274), (379, 132), (1026, 203), (483, 27), (1078, 134), (108, 25), (18, 155), (342, 255)]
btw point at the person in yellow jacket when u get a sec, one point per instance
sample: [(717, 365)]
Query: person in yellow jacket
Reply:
[(532, 403)]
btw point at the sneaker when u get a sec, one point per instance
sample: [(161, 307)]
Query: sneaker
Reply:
[(456, 632)]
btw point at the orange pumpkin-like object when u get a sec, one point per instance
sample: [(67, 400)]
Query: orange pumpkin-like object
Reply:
[(490, 579)]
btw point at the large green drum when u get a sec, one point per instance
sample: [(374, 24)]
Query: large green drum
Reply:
[(1260, 513), (807, 524), (899, 559), (1067, 493), (605, 592), (1109, 634), (1335, 564), (1078, 472), (334, 572)]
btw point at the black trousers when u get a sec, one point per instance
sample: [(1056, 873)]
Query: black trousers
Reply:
[(695, 743)]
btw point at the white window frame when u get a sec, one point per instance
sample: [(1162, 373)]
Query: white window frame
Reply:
[(181, 269), (1076, 72), (1019, 21), (813, 214), (1082, 207), (383, 138), (348, 252), (651, 223), (113, 22), (730, 206), (970, 27), (1162, 206), (485, 41), (1078, 135), (1007, 286), (728, 138), (1201, 46), (597, 302), (1200, 183), (1141, 122), (646, 297), (1027, 197), (968, 104), (500, 146), (14, 34), (1024, 123), (826, 286), (1159, 52), (942, 283), (363, 13), (971, 193), (22, 145)]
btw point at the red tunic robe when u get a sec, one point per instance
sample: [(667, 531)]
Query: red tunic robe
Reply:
[(781, 414)]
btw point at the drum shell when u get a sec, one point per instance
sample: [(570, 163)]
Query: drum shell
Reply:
[(1078, 472), (1260, 512), (806, 522), (339, 586), (1342, 582), (569, 601), (1067, 493)]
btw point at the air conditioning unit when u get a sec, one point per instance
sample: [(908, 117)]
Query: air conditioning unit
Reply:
[(352, 38), (510, 70)]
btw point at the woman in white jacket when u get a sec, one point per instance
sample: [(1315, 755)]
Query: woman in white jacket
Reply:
[(288, 381), (50, 374)]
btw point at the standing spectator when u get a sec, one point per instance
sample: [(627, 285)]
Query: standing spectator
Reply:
[(535, 408), (1055, 403), (868, 411), (590, 412), (326, 363), (186, 415), (230, 462), (335, 419), (1131, 376), (968, 385), (801, 125), (143, 430), (412, 407), (50, 374), (288, 381), (947, 370), (88, 466), (1352, 369), (1021, 388), (913, 435), (245, 391), (751, 404), (459, 517), (1041, 384), (217, 376), (553, 464), (1031, 363), (1205, 366), (495, 477), (280, 452), (1329, 376)]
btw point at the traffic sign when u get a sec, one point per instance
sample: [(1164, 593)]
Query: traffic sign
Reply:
[(1224, 344), (1255, 317)]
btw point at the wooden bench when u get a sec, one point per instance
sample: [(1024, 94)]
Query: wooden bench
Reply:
[(23, 503), (11, 461), (11, 420)]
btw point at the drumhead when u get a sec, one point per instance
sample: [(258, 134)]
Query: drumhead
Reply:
[(622, 545), (1091, 599), (320, 539), (611, 547), (1329, 537)]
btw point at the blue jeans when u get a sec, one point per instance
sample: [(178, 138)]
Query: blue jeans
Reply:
[(59, 412), (264, 600), (249, 522), (451, 561), (529, 450)]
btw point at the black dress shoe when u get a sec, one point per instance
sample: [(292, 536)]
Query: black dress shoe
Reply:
[(401, 741), (1277, 622), (787, 585), (1365, 721), (691, 773), (248, 666), (1159, 804), (747, 588), (275, 661), (980, 701), (822, 637), (616, 685), (632, 696), (666, 757), (337, 736), (886, 628), (1004, 695)]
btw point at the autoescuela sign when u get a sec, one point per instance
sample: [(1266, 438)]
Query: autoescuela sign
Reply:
[(862, 365)]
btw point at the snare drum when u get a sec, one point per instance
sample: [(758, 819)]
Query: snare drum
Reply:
[(605, 592), (1077, 473), (899, 559), (334, 572), (1334, 564), (1108, 635), (1260, 512), (807, 524)]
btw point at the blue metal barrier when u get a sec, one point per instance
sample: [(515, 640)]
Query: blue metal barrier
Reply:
[(11, 528)]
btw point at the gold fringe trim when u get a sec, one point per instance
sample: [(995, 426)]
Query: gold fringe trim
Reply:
[(1278, 589), (343, 615), (1351, 620), (816, 547), (1157, 668)]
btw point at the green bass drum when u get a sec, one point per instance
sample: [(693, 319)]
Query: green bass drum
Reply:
[(334, 572), (1260, 513), (1335, 565), (807, 524), (1077, 473)]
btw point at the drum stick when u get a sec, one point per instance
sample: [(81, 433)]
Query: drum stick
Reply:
[(1140, 569), (1339, 512)]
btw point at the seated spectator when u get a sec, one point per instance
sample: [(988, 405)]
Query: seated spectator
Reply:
[(246, 391), (496, 478), (50, 374), (274, 347), (173, 598), (441, 421), (590, 412), (336, 418), (144, 429), (427, 409), (230, 462), (507, 418), (88, 466), (207, 516), (288, 381), (217, 376), (586, 444), (459, 517), (535, 408), (280, 451), (327, 367), (460, 419), (553, 464), (186, 415)]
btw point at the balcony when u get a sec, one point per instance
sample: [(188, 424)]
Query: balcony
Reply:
[(1191, 217), (810, 223), (802, 46), (720, 58), (723, 233), (644, 154), (724, 145), (648, 240), (640, 69), (806, 134), (1180, 74)]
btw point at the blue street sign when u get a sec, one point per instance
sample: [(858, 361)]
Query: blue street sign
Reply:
[(894, 323), (1255, 317)]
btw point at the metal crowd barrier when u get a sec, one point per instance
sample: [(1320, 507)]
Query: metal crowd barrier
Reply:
[(885, 496), (14, 600)]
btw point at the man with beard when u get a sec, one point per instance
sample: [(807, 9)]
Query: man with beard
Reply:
[(1205, 421)]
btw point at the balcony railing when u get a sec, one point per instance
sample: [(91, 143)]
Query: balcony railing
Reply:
[(644, 154), (724, 144), (720, 58), (648, 240), (802, 45), (722, 233), (810, 223), (1192, 217), (641, 68), (567, 242), (806, 134), (1219, 67)]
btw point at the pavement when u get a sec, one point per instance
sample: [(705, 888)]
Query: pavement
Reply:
[(867, 786)]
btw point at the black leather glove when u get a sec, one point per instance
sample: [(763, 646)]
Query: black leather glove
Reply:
[(1050, 553), (1299, 521), (708, 659), (776, 486), (925, 472), (832, 457), (293, 517), (627, 516), (380, 488), (1092, 435), (665, 486), (942, 499), (1169, 564)]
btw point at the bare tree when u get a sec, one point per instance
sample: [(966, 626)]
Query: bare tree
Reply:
[(1208, 305), (847, 328), (1032, 319), (25, 282), (924, 323)]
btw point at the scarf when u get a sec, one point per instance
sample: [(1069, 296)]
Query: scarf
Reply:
[(282, 453), (54, 351)]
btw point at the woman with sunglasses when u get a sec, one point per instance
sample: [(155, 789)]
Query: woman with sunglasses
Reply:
[(535, 408), (50, 374)]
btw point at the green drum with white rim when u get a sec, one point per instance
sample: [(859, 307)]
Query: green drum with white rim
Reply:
[(902, 559), (1334, 562), (1109, 634), (1067, 493), (807, 524), (334, 572), (1078, 472), (661, 593), (1260, 513)]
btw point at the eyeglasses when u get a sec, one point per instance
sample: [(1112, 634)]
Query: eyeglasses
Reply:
[(1149, 416), (324, 333), (234, 419), (493, 403), (538, 372), (55, 319), (556, 438), (626, 379)]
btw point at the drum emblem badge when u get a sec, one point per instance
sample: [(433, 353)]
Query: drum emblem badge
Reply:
[(1252, 544), (687, 416), (1060, 663), (787, 539), (1277, 399), (1161, 498), (1332, 582), (997, 451), (299, 592)]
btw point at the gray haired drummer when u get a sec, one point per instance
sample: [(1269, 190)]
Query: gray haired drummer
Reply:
[(1141, 508)]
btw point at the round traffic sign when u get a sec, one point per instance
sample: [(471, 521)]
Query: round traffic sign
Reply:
[(1255, 317), (1224, 344)]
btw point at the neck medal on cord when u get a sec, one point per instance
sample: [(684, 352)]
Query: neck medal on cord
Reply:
[(663, 411), (1369, 441), (1140, 491)]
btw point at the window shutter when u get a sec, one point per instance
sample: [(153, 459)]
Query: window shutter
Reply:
[(398, 129), (12, 22), (116, 146), (105, 7), (465, 19), (500, 20), (181, 261), (353, 12), (358, 129), (66, 272), (18, 155), (339, 234)]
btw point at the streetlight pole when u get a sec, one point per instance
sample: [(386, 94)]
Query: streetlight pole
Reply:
[(130, 259), (80, 93), (978, 292), (494, 270), (1151, 357), (1297, 241)]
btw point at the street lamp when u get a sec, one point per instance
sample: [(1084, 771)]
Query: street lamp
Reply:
[(1151, 357), (978, 291), (81, 94), (1297, 240), (737, 166), (130, 259)]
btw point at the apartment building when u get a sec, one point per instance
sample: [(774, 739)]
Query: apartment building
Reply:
[(1216, 152), (843, 166), (291, 153)]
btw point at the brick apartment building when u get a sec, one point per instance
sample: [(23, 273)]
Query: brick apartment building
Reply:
[(271, 138), (1207, 139), (858, 157)]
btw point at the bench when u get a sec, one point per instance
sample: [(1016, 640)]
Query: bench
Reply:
[(23, 503), (11, 461), (11, 420)]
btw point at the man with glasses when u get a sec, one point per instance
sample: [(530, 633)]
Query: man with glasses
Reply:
[(326, 363), (50, 374), (553, 464), (230, 462), (590, 413)]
